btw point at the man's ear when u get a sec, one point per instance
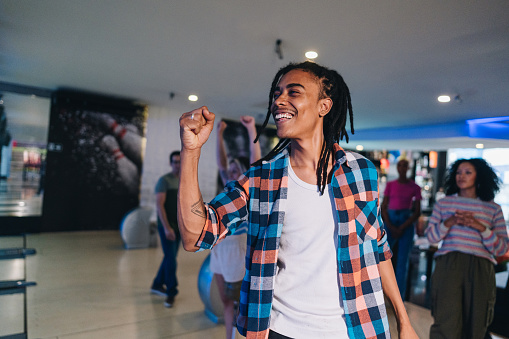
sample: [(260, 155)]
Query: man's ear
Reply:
[(325, 106)]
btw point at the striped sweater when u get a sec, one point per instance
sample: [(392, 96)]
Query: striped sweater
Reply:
[(489, 244)]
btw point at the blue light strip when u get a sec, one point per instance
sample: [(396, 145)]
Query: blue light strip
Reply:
[(490, 128)]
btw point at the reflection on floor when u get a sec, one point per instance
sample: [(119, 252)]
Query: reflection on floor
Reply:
[(89, 286), (19, 197)]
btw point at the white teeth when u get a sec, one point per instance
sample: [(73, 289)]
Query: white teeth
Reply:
[(283, 115)]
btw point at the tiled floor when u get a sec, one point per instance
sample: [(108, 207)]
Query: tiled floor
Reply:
[(89, 286)]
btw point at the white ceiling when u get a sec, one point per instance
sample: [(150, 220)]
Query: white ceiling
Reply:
[(396, 56)]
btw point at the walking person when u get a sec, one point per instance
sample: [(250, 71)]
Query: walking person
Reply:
[(165, 283)]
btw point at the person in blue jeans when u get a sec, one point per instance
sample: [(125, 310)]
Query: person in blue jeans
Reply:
[(165, 283), (401, 207)]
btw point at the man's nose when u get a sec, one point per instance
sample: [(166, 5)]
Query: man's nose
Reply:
[(280, 100)]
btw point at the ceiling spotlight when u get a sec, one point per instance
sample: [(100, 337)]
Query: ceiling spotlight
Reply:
[(193, 97), (359, 147), (444, 98), (311, 54), (479, 146)]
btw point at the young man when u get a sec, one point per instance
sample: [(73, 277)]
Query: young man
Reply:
[(166, 205), (316, 253)]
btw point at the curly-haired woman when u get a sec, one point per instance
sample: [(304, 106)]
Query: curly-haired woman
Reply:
[(473, 232)]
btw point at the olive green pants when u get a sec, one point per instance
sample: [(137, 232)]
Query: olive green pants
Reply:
[(463, 291)]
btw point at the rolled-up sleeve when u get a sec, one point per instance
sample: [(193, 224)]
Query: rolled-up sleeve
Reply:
[(225, 213), (384, 250)]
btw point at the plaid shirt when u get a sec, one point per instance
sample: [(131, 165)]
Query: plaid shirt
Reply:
[(259, 196)]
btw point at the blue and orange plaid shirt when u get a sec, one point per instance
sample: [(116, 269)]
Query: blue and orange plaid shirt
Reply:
[(259, 197)]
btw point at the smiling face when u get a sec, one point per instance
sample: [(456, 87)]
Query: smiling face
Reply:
[(465, 176), (297, 109)]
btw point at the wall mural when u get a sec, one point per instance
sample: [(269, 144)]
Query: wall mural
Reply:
[(237, 142), (94, 161)]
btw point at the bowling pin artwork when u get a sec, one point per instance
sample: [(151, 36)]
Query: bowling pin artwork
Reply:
[(130, 141), (127, 170), (132, 128)]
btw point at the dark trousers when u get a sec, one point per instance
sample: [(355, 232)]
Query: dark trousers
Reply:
[(167, 274), (463, 292)]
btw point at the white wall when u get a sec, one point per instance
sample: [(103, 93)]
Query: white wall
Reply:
[(163, 138)]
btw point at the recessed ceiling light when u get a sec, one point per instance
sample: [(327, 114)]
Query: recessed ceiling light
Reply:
[(479, 145), (311, 54), (193, 97), (444, 98), (359, 147)]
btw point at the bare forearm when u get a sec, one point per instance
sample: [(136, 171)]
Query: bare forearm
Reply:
[(390, 285), (191, 211), (161, 213), (254, 149), (195, 129), (221, 157), (391, 291)]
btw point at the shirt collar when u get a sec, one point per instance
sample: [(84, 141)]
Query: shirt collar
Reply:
[(340, 155)]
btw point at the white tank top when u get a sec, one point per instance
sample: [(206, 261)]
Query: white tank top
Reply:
[(307, 301)]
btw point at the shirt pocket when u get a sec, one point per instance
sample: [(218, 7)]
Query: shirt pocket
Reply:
[(366, 219)]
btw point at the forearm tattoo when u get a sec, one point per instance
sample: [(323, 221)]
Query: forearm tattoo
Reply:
[(199, 209)]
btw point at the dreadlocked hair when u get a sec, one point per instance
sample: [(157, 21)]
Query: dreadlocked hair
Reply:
[(332, 86)]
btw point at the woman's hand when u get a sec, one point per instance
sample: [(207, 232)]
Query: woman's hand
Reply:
[(467, 219), (249, 123), (451, 221)]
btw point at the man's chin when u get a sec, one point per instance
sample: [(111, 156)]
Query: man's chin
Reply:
[(281, 134)]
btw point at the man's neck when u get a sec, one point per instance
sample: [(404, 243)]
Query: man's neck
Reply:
[(305, 158)]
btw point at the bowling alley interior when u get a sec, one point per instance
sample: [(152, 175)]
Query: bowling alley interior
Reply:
[(91, 96)]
